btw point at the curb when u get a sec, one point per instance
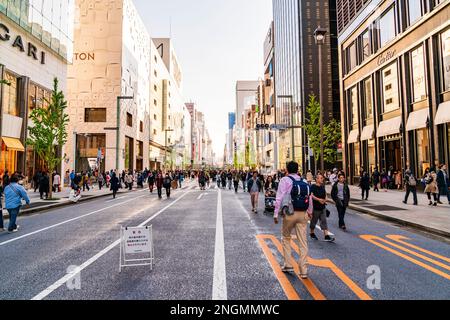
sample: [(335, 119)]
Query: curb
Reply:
[(66, 203), (405, 223)]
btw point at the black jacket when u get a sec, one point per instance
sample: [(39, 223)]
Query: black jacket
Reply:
[(365, 183), (250, 184), (334, 195)]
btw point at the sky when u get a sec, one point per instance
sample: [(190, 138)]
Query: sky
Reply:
[(217, 42)]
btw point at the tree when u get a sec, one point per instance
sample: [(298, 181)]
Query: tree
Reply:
[(48, 131), (312, 126), (4, 82), (332, 136)]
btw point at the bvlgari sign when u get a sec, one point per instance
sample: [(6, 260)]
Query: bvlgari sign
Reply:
[(18, 43)]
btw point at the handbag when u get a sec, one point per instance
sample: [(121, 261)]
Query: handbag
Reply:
[(17, 193)]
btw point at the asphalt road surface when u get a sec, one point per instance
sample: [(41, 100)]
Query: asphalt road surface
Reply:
[(208, 245)]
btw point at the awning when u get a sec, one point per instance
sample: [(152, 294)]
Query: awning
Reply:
[(353, 136), (367, 133), (443, 113), (389, 127), (418, 120), (13, 144)]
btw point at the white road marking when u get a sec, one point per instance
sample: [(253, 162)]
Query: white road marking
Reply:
[(203, 194), (220, 276), (112, 200), (65, 222), (45, 293)]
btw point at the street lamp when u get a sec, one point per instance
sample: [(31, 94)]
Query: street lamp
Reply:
[(118, 126), (319, 36), (291, 99)]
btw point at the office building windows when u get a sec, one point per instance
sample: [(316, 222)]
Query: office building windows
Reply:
[(352, 60), (366, 45), (129, 119), (95, 115), (445, 39), (387, 26), (414, 10), (368, 99), (390, 88), (10, 99), (419, 89), (353, 106)]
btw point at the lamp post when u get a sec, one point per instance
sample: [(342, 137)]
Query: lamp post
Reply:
[(118, 126), (319, 36), (291, 99)]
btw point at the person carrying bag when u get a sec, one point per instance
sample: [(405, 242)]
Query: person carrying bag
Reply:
[(14, 194)]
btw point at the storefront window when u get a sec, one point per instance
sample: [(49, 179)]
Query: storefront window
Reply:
[(371, 155), (357, 167), (10, 103), (386, 27), (37, 97), (418, 74), (423, 150), (368, 99), (390, 88), (445, 38), (95, 115), (414, 10), (87, 150), (354, 105), (8, 159)]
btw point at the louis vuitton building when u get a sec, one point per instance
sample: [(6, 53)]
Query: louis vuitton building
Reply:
[(395, 84), (36, 39)]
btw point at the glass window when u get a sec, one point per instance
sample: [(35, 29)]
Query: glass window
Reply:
[(357, 166), (445, 38), (423, 150), (129, 120), (371, 155), (386, 26), (366, 45), (368, 99), (414, 10), (418, 75), (10, 102), (354, 105), (95, 115), (390, 88), (351, 57)]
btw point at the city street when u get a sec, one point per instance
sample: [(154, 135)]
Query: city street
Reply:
[(208, 245)]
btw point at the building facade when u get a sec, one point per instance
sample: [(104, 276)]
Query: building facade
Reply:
[(395, 88), (297, 71), (202, 153), (36, 44)]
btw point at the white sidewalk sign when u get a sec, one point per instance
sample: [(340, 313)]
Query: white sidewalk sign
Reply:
[(136, 247)]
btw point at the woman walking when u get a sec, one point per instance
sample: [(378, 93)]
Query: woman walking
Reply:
[(319, 195), (115, 184), (364, 184), (44, 185), (151, 181), (159, 184), (432, 188), (14, 194)]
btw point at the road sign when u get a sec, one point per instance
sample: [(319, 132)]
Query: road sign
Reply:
[(136, 247), (278, 127)]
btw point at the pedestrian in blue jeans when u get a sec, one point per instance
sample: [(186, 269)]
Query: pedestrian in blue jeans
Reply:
[(2, 228), (14, 194)]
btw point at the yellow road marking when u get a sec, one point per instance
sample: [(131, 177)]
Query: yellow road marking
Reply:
[(361, 294), (374, 239), (310, 286), (400, 239), (284, 282)]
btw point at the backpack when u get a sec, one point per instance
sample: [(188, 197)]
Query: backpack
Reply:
[(300, 195), (167, 182), (412, 181)]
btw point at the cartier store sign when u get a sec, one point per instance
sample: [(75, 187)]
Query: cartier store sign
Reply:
[(17, 42), (386, 56)]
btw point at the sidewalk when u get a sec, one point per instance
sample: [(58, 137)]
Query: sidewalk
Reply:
[(389, 206), (37, 204)]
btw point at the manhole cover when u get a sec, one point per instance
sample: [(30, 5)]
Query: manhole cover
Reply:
[(385, 208)]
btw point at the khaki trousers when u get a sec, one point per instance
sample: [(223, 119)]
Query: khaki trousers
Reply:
[(299, 222)]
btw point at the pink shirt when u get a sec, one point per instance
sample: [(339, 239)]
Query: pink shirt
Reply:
[(284, 188)]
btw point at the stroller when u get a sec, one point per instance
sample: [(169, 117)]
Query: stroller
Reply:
[(269, 201)]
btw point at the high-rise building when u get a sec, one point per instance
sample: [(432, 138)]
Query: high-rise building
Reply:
[(297, 69), (36, 41), (229, 141), (395, 87)]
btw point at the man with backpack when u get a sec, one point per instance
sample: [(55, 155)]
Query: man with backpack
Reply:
[(411, 186), (292, 204)]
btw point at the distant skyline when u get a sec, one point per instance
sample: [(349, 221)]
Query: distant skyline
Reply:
[(217, 42)]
